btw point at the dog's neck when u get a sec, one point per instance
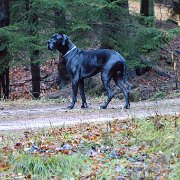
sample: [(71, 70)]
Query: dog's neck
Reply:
[(66, 48)]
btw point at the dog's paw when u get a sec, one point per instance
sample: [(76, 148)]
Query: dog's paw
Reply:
[(70, 107), (103, 107), (127, 106), (84, 106)]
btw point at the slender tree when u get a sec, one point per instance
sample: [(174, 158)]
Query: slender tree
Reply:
[(176, 9), (4, 60), (34, 52), (60, 26), (147, 7)]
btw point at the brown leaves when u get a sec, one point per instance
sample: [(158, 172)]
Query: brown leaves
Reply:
[(19, 146), (3, 166), (20, 80), (112, 145)]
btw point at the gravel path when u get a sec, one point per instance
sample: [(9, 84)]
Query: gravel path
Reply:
[(53, 115)]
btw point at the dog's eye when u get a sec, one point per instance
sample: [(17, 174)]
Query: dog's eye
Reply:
[(54, 36)]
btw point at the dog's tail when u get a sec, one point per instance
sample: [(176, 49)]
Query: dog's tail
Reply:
[(125, 77)]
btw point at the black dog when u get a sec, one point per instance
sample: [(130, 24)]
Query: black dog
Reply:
[(82, 64)]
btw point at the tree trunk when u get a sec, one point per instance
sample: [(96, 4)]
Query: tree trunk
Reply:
[(63, 76), (35, 67), (60, 26), (35, 72), (147, 7), (4, 84), (4, 60)]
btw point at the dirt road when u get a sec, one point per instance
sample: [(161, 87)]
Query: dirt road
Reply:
[(53, 115)]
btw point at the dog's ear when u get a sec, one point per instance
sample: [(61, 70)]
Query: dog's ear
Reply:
[(65, 37)]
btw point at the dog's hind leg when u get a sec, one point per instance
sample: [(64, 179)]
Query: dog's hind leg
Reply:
[(82, 93), (128, 84), (119, 83), (106, 82), (125, 78)]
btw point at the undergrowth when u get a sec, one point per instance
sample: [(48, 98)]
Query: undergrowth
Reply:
[(45, 166), (134, 148)]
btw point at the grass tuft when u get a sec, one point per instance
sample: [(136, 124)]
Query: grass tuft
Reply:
[(137, 148)]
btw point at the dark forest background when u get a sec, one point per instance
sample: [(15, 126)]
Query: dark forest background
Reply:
[(26, 25)]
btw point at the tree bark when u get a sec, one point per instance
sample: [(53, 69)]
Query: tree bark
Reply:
[(63, 76), (35, 66), (60, 26), (4, 60), (35, 72), (147, 7)]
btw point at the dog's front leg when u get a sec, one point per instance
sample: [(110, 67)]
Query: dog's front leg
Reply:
[(75, 83), (83, 97)]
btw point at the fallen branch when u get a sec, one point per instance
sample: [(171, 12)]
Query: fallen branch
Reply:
[(154, 67), (162, 73)]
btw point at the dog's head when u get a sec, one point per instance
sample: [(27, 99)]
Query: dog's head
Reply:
[(57, 41)]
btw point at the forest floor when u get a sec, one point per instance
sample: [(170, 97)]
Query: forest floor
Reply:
[(140, 143), (16, 115)]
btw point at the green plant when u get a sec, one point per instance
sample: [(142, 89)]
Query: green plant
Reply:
[(158, 133), (98, 151), (158, 95), (45, 167), (147, 21)]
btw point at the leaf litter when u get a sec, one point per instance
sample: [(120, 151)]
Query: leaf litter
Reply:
[(130, 149)]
